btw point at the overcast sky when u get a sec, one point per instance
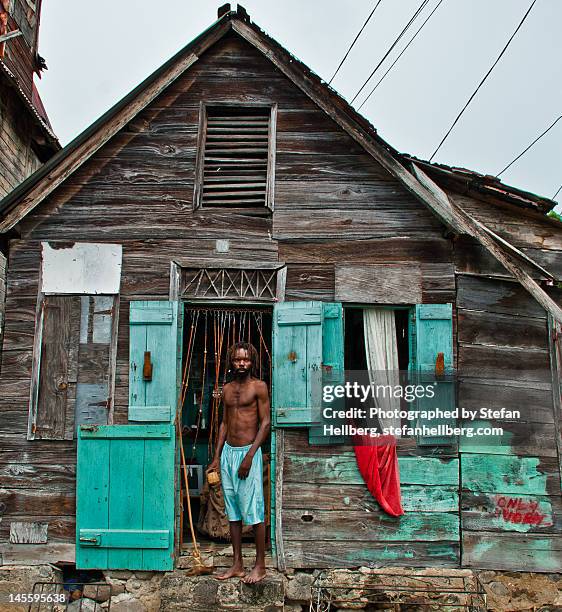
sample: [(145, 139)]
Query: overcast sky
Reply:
[(96, 53)]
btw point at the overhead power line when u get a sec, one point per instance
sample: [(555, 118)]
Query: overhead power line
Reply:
[(527, 148), (483, 80), (557, 192), (401, 54), (354, 41), (404, 30)]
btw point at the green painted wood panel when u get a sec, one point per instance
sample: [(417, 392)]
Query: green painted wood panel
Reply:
[(512, 551), (297, 359), (507, 474), (150, 413), (332, 365), (126, 483), (101, 432), (351, 496), (433, 334), (360, 526), (154, 326), (92, 496), (322, 554), (341, 467), (124, 538), (125, 495)]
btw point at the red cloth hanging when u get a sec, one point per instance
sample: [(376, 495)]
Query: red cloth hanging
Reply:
[(378, 463)]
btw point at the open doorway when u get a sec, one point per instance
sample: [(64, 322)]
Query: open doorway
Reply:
[(208, 332)]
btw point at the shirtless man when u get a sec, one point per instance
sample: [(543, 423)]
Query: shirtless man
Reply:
[(238, 452)]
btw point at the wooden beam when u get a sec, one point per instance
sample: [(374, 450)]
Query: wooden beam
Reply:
[(504, 252), (555, 347), (443, 198), (9, 36)]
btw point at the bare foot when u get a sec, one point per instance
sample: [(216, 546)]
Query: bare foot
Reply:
[(258, 573), (236, 571)]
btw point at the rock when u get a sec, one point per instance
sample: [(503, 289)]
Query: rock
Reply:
[(292, 607), (127, 603), (119, 574), (84, 605), (205, 591), (487, 576), (269, 591), (99, 593), (117, 587), (299, 587), (144, 575), (21, 578), (498, 588)]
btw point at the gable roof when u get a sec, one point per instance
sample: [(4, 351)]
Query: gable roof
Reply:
[(29, 194), (18, 203)]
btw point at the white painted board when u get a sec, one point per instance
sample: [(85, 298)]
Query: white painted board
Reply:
[(84, 267)]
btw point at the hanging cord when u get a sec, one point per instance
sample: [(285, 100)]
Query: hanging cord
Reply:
[(260, 330), (354, 41), (202, 396), (399, 56), (482, 81), (198, 566), (219, 340)]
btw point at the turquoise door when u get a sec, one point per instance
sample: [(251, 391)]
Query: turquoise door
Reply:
[(125, 497), (431, 346), (297, 359), (307, 352), (126, 477)]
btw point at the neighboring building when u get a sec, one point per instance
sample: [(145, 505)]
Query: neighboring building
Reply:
[(233, 180), (26, 136)]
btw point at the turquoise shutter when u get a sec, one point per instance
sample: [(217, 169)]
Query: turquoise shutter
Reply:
[(332, 365), (154, 333), (297, 358), (432, 333), (125, 497)]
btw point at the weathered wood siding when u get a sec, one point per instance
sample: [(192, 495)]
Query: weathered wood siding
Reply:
[(511, 500), (20, 51), (330, 519), (18, 160), (333, 205), (3, 265)]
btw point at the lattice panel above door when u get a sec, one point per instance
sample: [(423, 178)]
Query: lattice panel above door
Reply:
[(256, 285)]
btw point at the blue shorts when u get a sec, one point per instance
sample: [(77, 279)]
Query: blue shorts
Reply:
[(243, 497)]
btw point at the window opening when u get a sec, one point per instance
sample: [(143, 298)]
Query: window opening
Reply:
[(237, 157), (355, 358)]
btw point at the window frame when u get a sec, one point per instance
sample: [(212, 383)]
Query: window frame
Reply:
[(200, 155), (35, 381)]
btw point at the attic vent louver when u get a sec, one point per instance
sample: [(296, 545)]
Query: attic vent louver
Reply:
[(236, 157)]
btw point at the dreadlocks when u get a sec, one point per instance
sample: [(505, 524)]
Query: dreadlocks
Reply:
[(252, 353)]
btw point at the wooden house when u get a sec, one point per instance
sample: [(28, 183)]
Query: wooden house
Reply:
[(26, 137), (233, 189)]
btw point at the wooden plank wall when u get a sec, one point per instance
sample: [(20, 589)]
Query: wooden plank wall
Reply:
[(19, 53), (18, 159), (330, 519), (511, 502), (3, 266)]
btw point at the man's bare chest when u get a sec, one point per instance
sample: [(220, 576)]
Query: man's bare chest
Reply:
[(240, 397)]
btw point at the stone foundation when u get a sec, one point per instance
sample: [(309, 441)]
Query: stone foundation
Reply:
[(291, 591)]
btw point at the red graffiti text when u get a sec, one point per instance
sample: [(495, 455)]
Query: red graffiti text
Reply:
[(519, 510)]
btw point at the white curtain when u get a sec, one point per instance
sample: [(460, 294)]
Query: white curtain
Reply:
[(382, 358)]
